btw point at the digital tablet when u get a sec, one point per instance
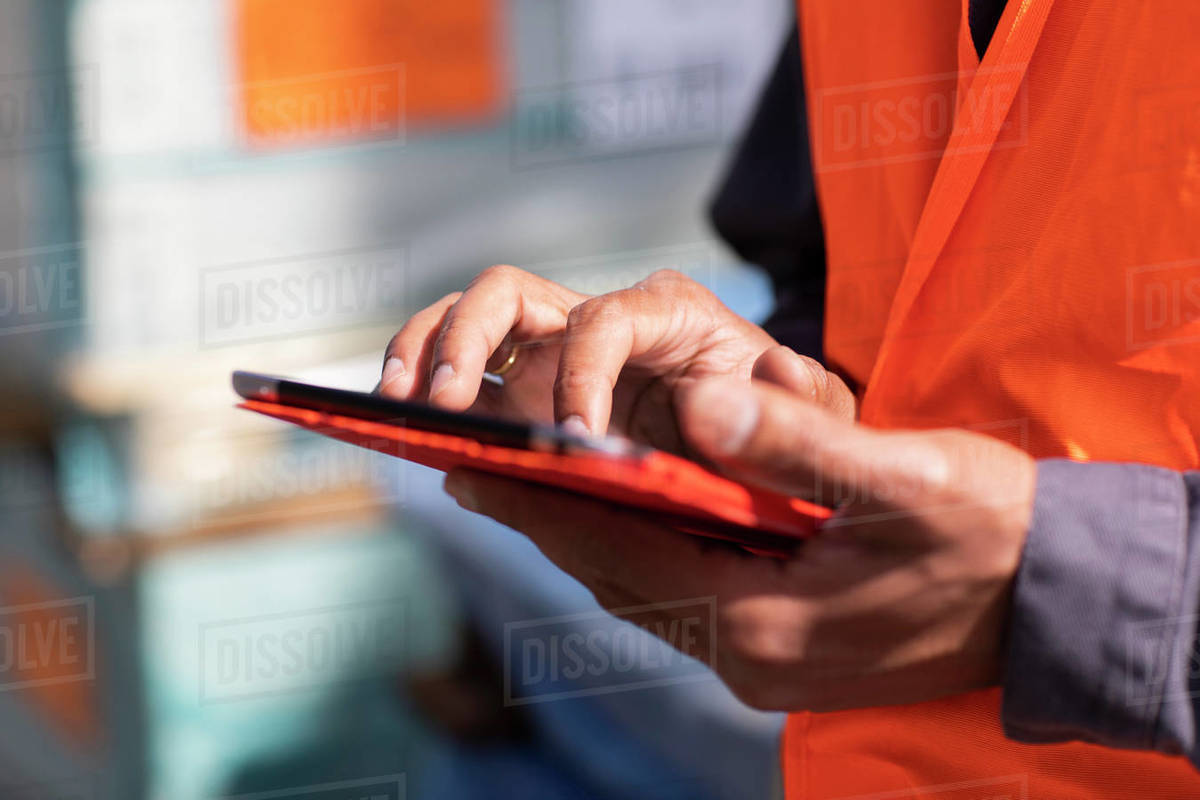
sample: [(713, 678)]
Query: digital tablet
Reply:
[(670, 489), (424, 417)]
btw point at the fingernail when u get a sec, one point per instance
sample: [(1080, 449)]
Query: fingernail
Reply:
[(575, 426), (460, 489), (393, 368), (443, 376), (724, 415)]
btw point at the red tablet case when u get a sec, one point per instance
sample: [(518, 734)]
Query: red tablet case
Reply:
[(673, 490)]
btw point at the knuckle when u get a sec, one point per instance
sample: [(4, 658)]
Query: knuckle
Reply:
[(666, 282), (500, 272), (912, 467), (571, 382), (602, 311), (669, 277), (674, 283), (455, 334), (767, 635), (938, 467), (766, 648), (457, 325)]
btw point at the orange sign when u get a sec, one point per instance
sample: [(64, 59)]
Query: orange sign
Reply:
[(324, 71)]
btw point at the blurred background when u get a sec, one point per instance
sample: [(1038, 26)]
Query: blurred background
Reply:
[(199, 603)]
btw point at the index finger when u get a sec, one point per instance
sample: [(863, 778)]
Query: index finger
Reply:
[(503, 301), (603, 335)]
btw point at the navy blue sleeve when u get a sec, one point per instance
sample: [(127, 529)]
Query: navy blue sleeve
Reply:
[(1102, 639)]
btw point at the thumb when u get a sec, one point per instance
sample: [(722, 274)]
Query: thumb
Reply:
[(762, 434), (805, 376)]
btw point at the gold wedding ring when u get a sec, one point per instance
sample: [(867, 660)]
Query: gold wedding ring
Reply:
[(508, 362)]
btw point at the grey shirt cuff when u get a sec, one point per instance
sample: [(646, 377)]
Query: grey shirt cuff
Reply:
[(1104, 610)]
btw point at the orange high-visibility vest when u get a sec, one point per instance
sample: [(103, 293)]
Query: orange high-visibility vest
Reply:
[(1012, 247)]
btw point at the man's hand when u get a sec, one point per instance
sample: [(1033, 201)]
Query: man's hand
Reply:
[(903, 597), (614, 362)]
